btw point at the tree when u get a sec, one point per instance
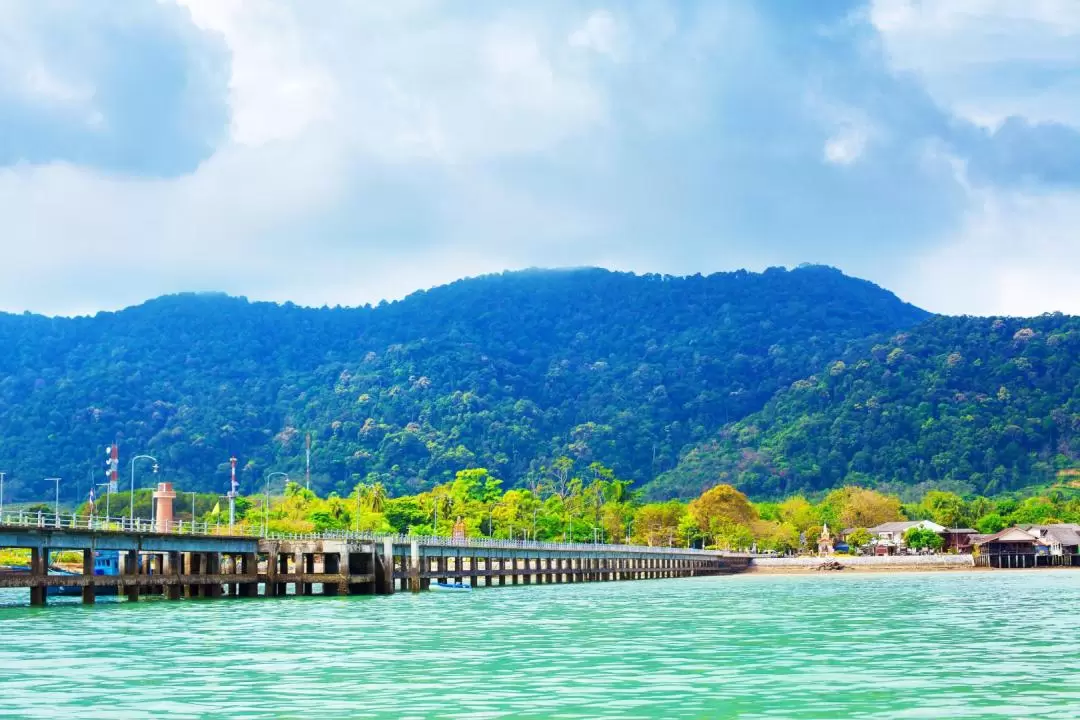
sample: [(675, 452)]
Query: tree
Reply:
[(799, 512), (732, 536), (990, 523), (720, 507), (944, 508), (859, 537), (657, 524), (918, 538), (860, 507)]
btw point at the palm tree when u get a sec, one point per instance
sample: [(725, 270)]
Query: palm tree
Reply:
[(376, 497), (363, 493)]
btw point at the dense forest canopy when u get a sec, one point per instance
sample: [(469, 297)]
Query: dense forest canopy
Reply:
[(976, 405), (509, 372)]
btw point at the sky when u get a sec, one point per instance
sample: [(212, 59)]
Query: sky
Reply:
[(342, 152)]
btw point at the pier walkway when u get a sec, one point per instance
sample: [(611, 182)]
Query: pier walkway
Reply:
[(199, 561)]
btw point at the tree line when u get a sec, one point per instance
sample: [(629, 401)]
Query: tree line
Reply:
[(598, 506)]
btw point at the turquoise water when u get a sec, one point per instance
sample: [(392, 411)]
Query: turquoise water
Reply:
[(933, 645)]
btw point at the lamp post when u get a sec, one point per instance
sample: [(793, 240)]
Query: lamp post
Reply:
[(2, 497), (192, 494), (435, 530), (56, 506), (131, 508), (232, 494), (266, 503)]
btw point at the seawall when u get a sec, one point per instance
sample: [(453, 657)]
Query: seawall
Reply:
[(864, 563)]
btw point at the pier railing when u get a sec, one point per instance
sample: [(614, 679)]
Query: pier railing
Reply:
[(98, 523)]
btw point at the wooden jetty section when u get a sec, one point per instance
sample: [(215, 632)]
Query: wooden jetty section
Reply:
[(177, 565)]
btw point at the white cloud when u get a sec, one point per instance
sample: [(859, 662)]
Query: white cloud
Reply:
[(350, 123), (278, 89), (378, 147), (986, 60), (1012, 253), (31, 74), (1012, 250), (599, 33), (846, 146)]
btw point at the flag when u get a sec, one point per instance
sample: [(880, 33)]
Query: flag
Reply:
[(217, 508)]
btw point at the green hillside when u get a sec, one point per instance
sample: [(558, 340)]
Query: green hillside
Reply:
[(506, 372), (973, 404)]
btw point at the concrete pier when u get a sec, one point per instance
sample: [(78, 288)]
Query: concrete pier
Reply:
[(205, 566)]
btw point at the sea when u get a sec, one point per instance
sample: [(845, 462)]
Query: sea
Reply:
[(890, 646)]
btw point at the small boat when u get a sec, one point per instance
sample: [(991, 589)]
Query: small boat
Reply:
[(450, 586), (105, 563)]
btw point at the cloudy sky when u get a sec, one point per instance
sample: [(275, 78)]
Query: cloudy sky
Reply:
[(340, 152)]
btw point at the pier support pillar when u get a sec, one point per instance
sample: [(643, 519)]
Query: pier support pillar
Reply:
[(88, 594), (414, 567), (249, 565), (331, 566), (39, 569), (271, 589), (131, 572), (384, 571), (441, 564), (172, 569), (212, 567)]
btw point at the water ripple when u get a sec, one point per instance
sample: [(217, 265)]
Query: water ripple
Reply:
[(933, 645)]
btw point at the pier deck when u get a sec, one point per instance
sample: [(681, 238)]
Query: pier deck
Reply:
[(207, 565)]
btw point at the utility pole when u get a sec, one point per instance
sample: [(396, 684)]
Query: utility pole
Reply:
[(2, 497), (56, 507), (232, 495), (131, 511), (307, 472)]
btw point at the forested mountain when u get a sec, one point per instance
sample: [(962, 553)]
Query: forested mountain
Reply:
[(506, 372), (972, 404)]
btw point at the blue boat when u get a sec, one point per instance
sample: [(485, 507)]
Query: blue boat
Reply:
[(450, 586), (106, 562)]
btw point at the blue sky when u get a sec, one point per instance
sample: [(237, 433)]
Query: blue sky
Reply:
[(342, 152)]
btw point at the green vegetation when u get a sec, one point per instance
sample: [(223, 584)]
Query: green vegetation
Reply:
[(507, 372), (598, 505), (975, 405), (921, 539)]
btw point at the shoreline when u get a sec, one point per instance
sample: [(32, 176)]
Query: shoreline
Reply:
[(862, 569)]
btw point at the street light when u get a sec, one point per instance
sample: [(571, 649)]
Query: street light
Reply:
[(108, 496), (56, 507), (266, 505), (192, 494), (435, 530), (131, 510)]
